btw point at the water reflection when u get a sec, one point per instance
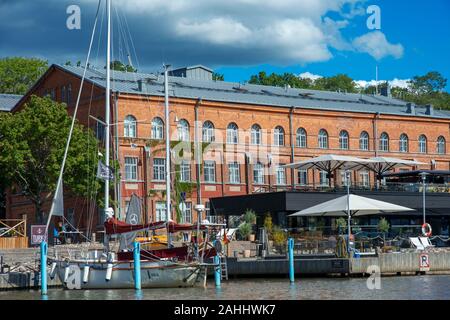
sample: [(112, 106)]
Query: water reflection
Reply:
[(392, 288)]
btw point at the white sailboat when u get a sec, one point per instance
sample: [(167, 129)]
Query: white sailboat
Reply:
[(109, 269)]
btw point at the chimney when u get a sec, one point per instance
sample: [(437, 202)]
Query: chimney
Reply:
[(410, 108), (143, 84), (386, 90), (429, 110)]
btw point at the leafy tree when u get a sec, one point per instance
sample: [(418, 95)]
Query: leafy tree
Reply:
[(218, 76), (119, 66), (250, 216), (433, 81), (18, 74), (33, 142), (340, 82)]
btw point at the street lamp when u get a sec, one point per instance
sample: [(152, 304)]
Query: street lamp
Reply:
[(424, 177), (347, 180)]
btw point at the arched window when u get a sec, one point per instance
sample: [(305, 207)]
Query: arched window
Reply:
[(100, 129), (403, 143), (440, 145), (364, 141), (343, 140), (258, 173), (208, 131), (323, 139), (157, 128), (255, 138), (183, 130), (129, 127), (384, 142), (422, 144), (301, 138), (232, 133), (278, 136)]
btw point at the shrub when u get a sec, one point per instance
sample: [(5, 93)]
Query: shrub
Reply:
[(250, 216), (383, 225), (244, 230), (279, 236), (268, 225), (341, 224)]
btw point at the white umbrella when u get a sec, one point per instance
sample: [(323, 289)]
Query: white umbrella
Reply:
[(359, 206), (381, 165), (330, 163), (350, 205)]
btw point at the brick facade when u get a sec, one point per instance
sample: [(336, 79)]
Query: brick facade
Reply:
[(146, 108)]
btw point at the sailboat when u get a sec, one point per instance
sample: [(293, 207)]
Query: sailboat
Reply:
[(111, 268)]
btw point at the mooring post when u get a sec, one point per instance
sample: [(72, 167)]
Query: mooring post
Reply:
[(137, 265), (291, 259), (43, 268), (217, 268)]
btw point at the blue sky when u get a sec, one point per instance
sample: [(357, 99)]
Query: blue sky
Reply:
[(242, 37)]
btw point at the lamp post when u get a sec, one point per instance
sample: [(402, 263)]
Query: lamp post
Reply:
[(424, 177)]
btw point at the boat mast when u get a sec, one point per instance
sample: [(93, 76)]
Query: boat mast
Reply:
[(167, 120), (107, 100)]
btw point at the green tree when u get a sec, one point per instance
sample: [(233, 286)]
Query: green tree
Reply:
[(340, 82), (119, 66), (433, 81), (33, 142), (18, 74), (218, 76)]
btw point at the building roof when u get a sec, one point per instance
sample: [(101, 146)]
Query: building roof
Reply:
[(8, 101), (232, 92)]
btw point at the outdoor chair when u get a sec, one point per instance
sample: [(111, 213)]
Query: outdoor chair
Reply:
[(426, 242), (416, 243)]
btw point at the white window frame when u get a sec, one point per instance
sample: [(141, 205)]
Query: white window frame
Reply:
[(323, 139), (343, 140), (403, 143), (301, 138), (157, 129), (208, 131), (423, 144), (255, 135), (278, 136), (185, 171), (160, 211), (280, 175), (130, 126), (232, 133), (159, 169), (364, 141), (258, 173), (131, 168), (234, 172), (209, 171)]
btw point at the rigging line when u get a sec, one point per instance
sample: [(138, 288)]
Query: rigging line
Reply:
[(59, 184)]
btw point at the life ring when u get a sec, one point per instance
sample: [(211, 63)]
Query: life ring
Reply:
[(426, 229)]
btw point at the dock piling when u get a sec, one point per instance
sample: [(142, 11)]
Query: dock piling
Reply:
[(217, 269), (43, 268), (291, 259), (137, 265)]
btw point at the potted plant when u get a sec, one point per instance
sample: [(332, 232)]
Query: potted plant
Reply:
[(250, 219), (341, 225), (279, 237), (383, 227), (244, 230)]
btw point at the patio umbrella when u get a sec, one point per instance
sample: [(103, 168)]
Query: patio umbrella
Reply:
[(330, 163), (350, 205), (381, 165)]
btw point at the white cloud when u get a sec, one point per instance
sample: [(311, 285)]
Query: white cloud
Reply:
[(376, 44), (216, 30), (402, 83), (309, 75)]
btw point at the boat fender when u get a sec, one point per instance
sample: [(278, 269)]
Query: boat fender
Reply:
[(53, 270), (66, 273), (86, 274), (426, 229), (109, 271)]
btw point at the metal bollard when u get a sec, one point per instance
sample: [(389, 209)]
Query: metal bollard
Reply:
[(291, 259), (137, 265), (43, 268)]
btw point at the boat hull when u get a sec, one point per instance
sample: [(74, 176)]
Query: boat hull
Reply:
[(120, 274)]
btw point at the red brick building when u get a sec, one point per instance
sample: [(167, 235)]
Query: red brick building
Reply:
[(253, 129)]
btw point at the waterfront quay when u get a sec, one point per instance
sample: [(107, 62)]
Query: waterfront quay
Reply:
[(25, 274)]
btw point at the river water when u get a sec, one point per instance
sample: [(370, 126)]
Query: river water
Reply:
[(426, 287)]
